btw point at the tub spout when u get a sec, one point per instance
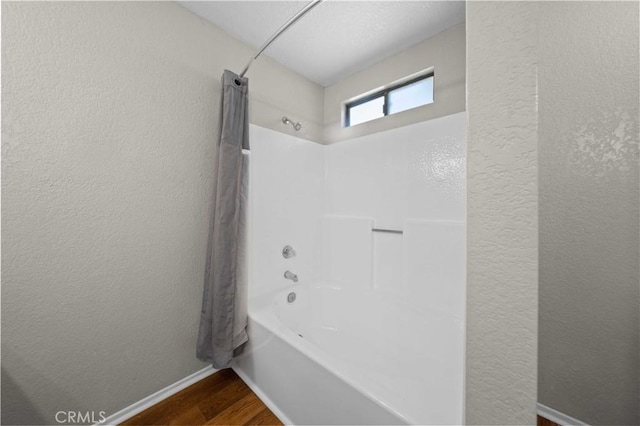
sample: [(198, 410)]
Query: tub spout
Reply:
[(291, 276)]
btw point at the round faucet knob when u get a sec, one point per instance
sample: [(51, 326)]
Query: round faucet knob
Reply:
[(288, 252)]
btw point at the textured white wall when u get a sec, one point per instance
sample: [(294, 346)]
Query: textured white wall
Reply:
[(589, 210), (444, 51), (502, 258), (109, 116)]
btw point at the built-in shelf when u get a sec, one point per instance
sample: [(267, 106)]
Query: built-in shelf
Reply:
[(390, 231)]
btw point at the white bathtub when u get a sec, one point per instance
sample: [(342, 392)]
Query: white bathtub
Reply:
[(336, 356)]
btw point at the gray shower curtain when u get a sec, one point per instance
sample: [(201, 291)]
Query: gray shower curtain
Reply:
[(223, 319)]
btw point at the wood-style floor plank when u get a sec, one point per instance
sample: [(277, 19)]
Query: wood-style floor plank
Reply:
[(545, 422), (193, 416), (239, 413), (264, 418), (220, 399), (166, 411)]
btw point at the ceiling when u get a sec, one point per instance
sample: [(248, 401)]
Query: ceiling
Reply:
[(336, 38)]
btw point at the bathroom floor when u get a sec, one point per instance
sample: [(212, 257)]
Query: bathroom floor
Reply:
[(220, 399), (545, 422)]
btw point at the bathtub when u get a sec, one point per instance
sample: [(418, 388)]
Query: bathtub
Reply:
[(315, 361)]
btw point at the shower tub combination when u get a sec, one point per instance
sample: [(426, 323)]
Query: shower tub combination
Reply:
[(335, 356), (373, 331)]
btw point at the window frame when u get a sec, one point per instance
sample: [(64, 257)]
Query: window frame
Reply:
[(384, 93)]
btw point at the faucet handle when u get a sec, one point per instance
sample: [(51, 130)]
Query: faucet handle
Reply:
[(288, 252)]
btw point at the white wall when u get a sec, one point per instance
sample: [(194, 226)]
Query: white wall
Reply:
[(324, 201), (410, 179), (445, 52), (502, 257), (287, 184), (589, 352), (109, 117)]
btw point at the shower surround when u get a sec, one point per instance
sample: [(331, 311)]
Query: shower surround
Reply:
[(375, 334)]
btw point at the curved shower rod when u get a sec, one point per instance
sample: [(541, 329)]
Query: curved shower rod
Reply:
[(281, 30)]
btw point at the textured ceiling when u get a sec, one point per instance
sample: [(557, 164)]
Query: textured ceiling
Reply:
[(335, 39)]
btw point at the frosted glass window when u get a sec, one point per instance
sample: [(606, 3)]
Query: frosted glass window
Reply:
[(366, 111), (395, 98), (410, 96)]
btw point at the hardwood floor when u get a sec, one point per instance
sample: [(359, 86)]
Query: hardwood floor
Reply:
[(220, 399), (545, 422)]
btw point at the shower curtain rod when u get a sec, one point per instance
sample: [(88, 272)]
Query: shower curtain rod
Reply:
[(281, 30)]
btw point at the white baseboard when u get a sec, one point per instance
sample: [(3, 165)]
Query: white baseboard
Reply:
[(138, 407), (263, 397), (558, 417)]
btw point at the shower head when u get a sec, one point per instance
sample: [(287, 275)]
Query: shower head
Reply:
[(296, 126)]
